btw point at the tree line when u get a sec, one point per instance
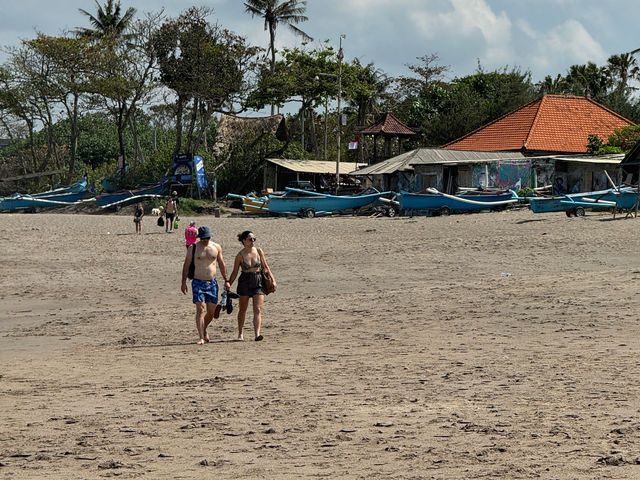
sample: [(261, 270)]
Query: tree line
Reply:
[(146, 88)]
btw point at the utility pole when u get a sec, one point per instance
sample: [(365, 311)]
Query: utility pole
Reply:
[(340, 56)]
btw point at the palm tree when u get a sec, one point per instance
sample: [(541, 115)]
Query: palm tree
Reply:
[(289, 12), (623, 68), (108, 20)]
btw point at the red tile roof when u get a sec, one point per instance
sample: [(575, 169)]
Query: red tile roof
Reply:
[(553, 123), (388, 125)]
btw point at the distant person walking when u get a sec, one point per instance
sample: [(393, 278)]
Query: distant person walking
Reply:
[(204, 254), (170, 213), (138, 213), (250, 261), (191, 234)]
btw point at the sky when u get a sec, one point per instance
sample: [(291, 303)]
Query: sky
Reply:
[(544, 37)]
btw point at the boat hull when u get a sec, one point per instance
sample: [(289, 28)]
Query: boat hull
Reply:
[(295, 204), (625, 198), (105, 200), (29, 202), (435, 201)]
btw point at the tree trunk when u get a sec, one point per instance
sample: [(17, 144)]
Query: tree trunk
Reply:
[(179, 112)]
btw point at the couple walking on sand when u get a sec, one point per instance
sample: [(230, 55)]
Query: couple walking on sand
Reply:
[(205, 255)]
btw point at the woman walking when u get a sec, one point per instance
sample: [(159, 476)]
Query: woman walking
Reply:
[(250, 261)]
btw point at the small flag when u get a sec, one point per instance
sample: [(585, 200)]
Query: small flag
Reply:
[(353, 144)]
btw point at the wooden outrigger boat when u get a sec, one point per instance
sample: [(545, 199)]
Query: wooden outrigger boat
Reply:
[(309, 204), (59, 197), (576, 203), (117, 199), (251, 203), (445, 203)]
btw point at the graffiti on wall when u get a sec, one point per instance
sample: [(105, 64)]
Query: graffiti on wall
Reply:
[(502, 174), (409, 182)]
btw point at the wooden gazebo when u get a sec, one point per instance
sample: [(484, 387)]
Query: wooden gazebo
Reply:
[(390, 128)]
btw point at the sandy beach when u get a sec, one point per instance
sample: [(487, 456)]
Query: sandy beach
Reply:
[(491, 345)]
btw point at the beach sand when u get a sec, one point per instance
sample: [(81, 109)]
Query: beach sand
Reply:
[(491, 345)]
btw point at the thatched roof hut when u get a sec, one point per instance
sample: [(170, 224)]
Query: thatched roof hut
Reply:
[(231, 129)]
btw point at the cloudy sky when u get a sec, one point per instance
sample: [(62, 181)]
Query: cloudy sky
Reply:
[(542, 36)]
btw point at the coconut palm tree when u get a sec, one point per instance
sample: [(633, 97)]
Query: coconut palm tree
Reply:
[(623, 67), (107, 21), (289, 12)]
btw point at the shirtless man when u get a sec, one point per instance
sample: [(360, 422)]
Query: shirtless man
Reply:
[(170, 213), (204, 285)]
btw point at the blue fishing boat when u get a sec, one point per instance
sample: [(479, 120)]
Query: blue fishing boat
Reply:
[(443, 203), (58, 197), (576, 203), (309, 204), (118, 199), (79, 187)]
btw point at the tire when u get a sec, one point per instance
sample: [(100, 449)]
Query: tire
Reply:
[(391, 212), (579, 212), (445, 211), (309, 213)]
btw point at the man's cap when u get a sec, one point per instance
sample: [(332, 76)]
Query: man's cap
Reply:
[(174, 193), (204, 232), (192, 222)]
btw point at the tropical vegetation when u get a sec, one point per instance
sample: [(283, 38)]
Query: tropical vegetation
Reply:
[(135, 90)]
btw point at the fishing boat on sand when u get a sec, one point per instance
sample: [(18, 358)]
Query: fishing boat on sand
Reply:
[(433, 200), (123, 197), (309, 204), (576, 203), (59, 197), (251, 202)]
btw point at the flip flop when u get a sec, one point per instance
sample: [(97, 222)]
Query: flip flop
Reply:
[(231, 294), (216, 310)]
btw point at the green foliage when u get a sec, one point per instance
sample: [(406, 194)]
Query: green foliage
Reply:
[(624, 138), (594, 143), (608, 150), (526, 192), (442, 112)]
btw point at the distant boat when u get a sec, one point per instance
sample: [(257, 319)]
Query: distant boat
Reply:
[(309, 204), (445, 203), (58, 197), (251, 202), (123, 197), (625, 197)]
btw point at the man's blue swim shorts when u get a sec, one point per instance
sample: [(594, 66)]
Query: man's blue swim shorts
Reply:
[(204, 290)]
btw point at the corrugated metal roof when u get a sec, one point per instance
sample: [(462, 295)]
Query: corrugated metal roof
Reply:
[(615, 158), (422, 156), (440, 155), (315, 166), (391, 165)]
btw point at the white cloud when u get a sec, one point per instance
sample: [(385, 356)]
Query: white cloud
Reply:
[(566, 44), (465, 20)]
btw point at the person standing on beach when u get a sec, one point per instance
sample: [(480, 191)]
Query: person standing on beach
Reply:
[(170, 213), (137, 217), (205, 255), (251, 261), (191, 234)]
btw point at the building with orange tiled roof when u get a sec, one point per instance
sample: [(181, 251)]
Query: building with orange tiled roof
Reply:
[(552, 124)]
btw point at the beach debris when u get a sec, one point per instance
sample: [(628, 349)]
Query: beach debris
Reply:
[(204, 463), (613, 460), (505, 274), (111, 464)]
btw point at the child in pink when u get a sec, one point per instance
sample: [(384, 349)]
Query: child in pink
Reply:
[(191, 233)]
